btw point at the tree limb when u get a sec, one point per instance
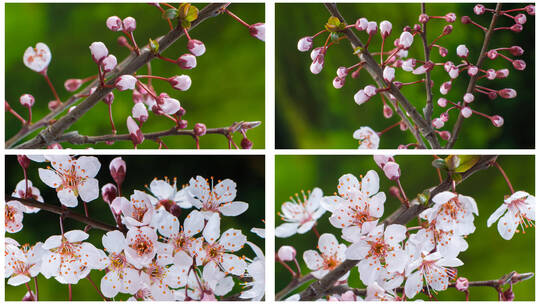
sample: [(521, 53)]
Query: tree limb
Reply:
[(428, 110), (66, 213), (472, 81), (401, 216), (131, 65), (376, 73)]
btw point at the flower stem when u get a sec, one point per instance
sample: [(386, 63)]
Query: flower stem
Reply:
[(389, 128), (36, 288), (95, 287), (10, 110), (51, 86), (69, 290), (504, 176), (236, 18), (316, 231), (403, 193), (111, 119), (152, 77)]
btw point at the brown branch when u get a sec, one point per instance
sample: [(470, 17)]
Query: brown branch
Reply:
[(512, 277), (132, 64), (428, 110), (78, 139), (472, 81), (65, 213), (376, 73), (295, 283), (401, 216)]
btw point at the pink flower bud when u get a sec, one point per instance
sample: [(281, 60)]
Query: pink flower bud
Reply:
[(491, 74), (468, 98), (257, 30), (444, 116), (403, 126), (27, 100), (392, 171), (516, 28), (442, 102), (360, 97), (169, 105), (37, 59), (381, 160), (445, 87), (129, 24), (199, 129), (370, 90), (497, 121), (519, 64), (479, 9), (389, 74), (125, 82), (109, 193), (516, 50), (55, 145), (530, 9), (428, 66), (423, 18), (492, 95), (445, 135), (109, 98), (450, 17), (134, 131), (405, 40), (317, 64), (492, 54), (246, 143), (187, 61), (472, 70), (502, 73), (342, 72), (338, 82), (137, 97), (183, 124), (139, 112), (114, 23), (316, 52), (72, 85), (465, 19), (507, 93), (447, 29), (508, 295), (386, 28), (53, 104), (417, 28), (361, 24), (24, 161), (520, 18), (99, 51), (466, 112), (448, 65), (371, 28), (454, 72), (29, 296), (117, 167), (108, 63), (286, 253), (408, 65), (196, 47), (437, 123), (462, 51), (443, 51), (387, 111), (305, 44), (182, 82)]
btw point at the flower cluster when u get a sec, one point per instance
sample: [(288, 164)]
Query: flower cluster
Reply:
[(150, 255), (397, 58), (394, 261)]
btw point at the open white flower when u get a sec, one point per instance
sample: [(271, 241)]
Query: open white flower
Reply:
[(33, 192), (518, 209), (14, 214), (163, 192), (255, 271), (300, 216), (332, 254), (138, 211), (22, 263), (218, 199), (180, 238), (452, 212), (213, 282), (141, 246), (367, 138), (37, 59), (72, 178)]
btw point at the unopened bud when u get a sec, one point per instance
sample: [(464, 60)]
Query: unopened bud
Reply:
[(497, 121), (187, 61), (29, 296), (530, 9), (246, 143), (450, 17), (437, 123), (516, 28), (183, 124), (361, 24), (392, 170), (387, 111), (516, 50), (479, 9), (503, 73), (445, 87), (72, 85), (462, 51), (443, 51), (286, 253), (257, 30), (305, 44), (125, 82), (27, 100), (109, 192), (468, 98), (180, 82), (520, 18), (54, 104), (465, 19), (492, 54), (338, 82), (472, 70), (199, 129), (507, 93), (423, 18), (117, 168), (442, 102), (108, 63), (196, 47), (134, 131), (129, 24), (99, 51), (114, 23), (508, 295), (23, 161), (466, 112), (445, 135), (519, 64), (448, 29)]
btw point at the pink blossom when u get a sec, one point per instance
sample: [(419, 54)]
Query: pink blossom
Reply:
[(286, 253), (466, 112), (392, 170), (342, 72), (108, 63), (114, 23), (14, 213), (305, 44), (139, 112), (331, 255), (479, 9), (257, 30), (516, 50), (445, 87), (125, 82), (199, 129), (371, 28), (437, 123), (519, 64), (468, 98), (117, 168), (389, 74), (27, 100), (129, 24), (141, 246), (462, 51), (386, 28), (517, 210), (497, 121), (367, 138), (472, 70), (99, 51), (215, 199), (361, 24), (317, 64), (502, 73), (408, 65), (196, 47), (405, 40), (37, 59), (134, 131), (450, 17), (72, 85), (181, 82), (338, 82), (462, 284), (507, 93)]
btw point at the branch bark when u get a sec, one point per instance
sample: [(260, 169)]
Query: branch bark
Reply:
[(401, 216), (66, 213), (428, 110), (130, 66), (474, 79), (76, 138), (376, 73)]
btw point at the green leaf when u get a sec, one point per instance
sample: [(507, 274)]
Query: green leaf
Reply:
[(192, 14), (185, 24), (170, 14), (461, 163), (154, 46), (358, 50), (334, 25), (439, 163)]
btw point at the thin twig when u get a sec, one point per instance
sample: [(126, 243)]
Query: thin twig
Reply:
[(472, 82), (428, 110)]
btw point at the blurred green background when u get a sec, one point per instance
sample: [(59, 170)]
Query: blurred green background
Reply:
[(246, 171), (311, 113), (489, 256), (228, 82)]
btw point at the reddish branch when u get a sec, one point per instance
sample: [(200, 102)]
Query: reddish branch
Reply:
[(401, 216), (65, 213), (129, 66), (474, 79)]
